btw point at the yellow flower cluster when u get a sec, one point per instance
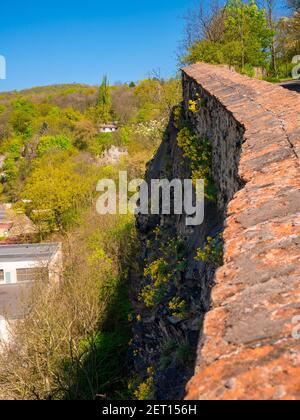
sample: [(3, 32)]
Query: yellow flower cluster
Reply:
[(158, 272), (145, 390), (178, 307), (212, 253)]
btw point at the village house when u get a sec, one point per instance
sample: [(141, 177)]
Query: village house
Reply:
[(20, 267), (108, 128)]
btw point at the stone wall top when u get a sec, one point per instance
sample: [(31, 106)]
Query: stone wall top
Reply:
[(249, 348)]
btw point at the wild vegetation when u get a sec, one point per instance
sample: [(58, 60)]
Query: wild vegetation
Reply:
[(245, 35), (73, 342)]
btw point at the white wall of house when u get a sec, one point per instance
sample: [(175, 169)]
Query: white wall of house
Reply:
[(10, 269), (54, 266), (108, 130)]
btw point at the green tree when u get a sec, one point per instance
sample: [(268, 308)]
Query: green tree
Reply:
[(247, 34), (104, 98), (22, 117), (57, 189), (244, 42), (103, 105), (288, 43), (47, 143), (205, 51)]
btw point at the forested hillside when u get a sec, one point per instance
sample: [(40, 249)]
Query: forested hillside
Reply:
[(73, 342)]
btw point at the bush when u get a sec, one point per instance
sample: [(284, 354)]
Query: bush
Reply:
[(199, 151), (212, 253), (48, 143), (22, 117)]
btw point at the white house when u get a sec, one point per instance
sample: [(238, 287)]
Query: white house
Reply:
[(108, 128), (20, 267), (22, 263)]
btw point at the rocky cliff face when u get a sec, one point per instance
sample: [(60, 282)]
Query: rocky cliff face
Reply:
[(166, 340), (245, 347)]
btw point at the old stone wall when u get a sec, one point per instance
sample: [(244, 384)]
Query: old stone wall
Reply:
[(245, 348), (249, 347)]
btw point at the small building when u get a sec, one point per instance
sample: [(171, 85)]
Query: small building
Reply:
[(20, 267), (24, 263), (108, 128)]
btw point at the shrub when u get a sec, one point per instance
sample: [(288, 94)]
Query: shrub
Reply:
[(178, 308), (22, 117), (212, 253), (47, 143), (159, 273), (199, 151), (145, 390)]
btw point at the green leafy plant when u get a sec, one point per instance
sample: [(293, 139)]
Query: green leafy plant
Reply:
[(199, 151), (145, 390), (159, 273), (178, 308), (47, 143), (212, 253)]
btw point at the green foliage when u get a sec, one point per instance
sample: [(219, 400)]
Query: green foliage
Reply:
[(164, 271), (178, 308), (287, 44), (184, 354), (10, 169), (13, 147), (57, 190), (199, 151), (104, 97), (103, 141), (51, 143), (178, 117), (245, 42), (102, 110), (79, 330), (206, 51), (160, 276), (145, 390), (157, 98), (212, 253), (247, 34), (22, 117)]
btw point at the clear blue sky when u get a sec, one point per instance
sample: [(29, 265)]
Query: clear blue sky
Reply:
[(65, 41)]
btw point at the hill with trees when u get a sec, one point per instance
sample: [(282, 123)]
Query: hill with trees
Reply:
[(74, 342), (70, 346)]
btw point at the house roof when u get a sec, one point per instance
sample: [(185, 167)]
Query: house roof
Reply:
[(112, 125), (32, 252)]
